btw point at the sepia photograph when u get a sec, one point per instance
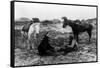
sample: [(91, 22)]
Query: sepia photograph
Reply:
[(53, 33)]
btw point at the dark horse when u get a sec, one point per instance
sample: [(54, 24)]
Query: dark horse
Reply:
[(78, 28)]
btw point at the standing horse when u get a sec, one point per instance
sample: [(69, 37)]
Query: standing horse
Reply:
[(31, 30), (78, 28), (32, 35)]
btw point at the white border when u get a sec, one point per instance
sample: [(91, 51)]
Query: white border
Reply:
[(5, 34)]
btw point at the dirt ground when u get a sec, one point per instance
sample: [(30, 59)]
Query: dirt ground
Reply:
[(86, 52)]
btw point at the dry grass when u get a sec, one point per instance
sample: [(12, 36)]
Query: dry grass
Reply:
[(86, 53)]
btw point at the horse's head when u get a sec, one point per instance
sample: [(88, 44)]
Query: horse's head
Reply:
[(64, 18), (64, 21)]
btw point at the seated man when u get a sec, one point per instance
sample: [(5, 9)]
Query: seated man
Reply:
[(58, 42), (44, 48)]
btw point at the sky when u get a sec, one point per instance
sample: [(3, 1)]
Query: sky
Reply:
[(52, 11)]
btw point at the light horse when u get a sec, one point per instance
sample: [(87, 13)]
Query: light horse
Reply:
[(30, 31), (33, 31), (32, 35), (78, 28)]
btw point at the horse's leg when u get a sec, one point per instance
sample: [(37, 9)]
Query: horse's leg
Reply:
[(28, 46), (75, 45), (89, 33), (32, 44), (76, 37), (24, 35), (29, 41), (22, 32)]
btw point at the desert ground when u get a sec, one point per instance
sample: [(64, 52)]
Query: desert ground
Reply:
[(87, 51)]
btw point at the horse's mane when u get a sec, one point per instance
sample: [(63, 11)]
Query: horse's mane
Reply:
[(77, 21)]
